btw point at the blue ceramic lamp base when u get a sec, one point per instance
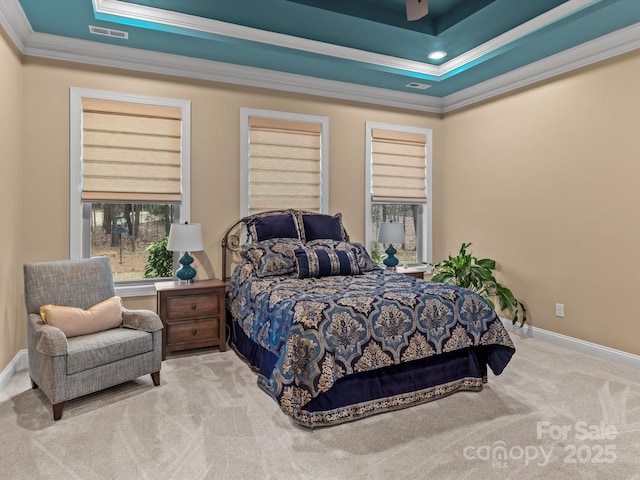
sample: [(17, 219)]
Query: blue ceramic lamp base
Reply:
[(391, 262), (186, 272)]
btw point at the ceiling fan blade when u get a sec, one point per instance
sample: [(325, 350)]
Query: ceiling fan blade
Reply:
[(416, 9)]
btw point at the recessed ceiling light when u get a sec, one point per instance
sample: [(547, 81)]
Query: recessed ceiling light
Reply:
[(419, 86), (437, 55)]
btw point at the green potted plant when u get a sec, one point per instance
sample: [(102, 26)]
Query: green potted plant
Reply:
[(159, 260), (467, 271)]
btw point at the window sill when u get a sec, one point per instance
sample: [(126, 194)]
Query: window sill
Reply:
[(413, 267), (422, 268), (143, 290)]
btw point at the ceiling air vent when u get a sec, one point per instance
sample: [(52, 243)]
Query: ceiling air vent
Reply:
[(419, 86), (108, 32)]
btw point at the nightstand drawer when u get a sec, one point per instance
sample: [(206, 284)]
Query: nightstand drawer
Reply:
[(413, 274), (185, 307), (203, 330)]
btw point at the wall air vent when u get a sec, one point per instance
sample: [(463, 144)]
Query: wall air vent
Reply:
[(419, 86), (108, 32)]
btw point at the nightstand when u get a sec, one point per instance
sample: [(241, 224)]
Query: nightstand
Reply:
[(411, 271), (193, 315)]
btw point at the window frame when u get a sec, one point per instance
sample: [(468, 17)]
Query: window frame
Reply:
[(424, 231), (79, 212), (245, 113)]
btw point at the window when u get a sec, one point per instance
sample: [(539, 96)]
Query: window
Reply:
[(129, 164), (398, 188), (284, 161)]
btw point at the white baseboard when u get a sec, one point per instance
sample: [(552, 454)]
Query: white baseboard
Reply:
[(600, 351), (17, 363), (21, 360)]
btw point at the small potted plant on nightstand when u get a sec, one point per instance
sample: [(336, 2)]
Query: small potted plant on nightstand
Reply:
[(467, 271)]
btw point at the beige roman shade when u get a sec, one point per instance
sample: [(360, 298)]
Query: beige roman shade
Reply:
[(398, 166), (130, 152), (284, 164)]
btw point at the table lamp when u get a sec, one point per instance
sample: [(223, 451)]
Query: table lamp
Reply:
[(390, 233), (185, 237)]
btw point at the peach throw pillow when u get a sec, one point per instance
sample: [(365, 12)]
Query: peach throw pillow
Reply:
[(74, 321)]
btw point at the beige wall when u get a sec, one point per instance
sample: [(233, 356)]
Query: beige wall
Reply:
[(554, 160), (215, 200), (215, 145), (12, 325), (546, 181)]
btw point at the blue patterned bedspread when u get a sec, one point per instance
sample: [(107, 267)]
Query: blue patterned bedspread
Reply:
[(322, 329)]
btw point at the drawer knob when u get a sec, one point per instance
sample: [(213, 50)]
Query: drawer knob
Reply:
[(193, 331), (193, 306)]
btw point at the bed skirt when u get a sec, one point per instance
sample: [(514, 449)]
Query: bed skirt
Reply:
[(385, 389)]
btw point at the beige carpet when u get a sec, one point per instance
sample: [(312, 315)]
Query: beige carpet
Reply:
[(209, 420)]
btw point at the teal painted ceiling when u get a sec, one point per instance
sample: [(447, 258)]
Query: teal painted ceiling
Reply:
[(365, 43)]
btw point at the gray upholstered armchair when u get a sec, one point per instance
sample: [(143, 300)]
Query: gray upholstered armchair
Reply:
[(66, 368)]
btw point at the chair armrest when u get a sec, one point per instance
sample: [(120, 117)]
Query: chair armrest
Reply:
[(49, 340), (141, 320)]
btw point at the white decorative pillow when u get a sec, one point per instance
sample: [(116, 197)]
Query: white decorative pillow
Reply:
[(74, 321)]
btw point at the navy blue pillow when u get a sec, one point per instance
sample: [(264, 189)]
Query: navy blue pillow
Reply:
[(324, 262), (318, 226), (273, 226), (364, 260)]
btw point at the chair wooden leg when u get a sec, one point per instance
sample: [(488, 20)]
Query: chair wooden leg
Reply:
[(34, 385), (57, 410), (155, 376)]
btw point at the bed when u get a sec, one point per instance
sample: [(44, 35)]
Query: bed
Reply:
[(335, 338)]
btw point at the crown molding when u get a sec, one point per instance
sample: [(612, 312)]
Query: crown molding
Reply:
[(124, 12), (607, 46), (483, 51), (94, 53), (83, 51), (15, 23)]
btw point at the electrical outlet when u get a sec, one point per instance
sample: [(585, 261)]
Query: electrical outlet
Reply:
[(560, 310)]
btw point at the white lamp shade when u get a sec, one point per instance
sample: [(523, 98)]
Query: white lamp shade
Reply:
[(391, 232), (185, 237)]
